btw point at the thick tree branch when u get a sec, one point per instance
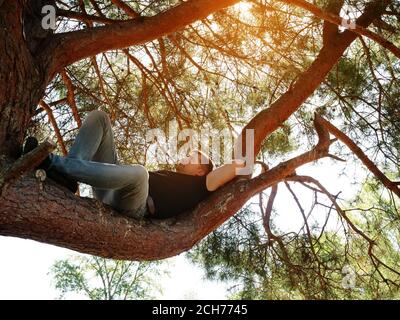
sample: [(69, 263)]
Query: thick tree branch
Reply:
[(21, 82), (268, 120), (73, 46), (59, 217)]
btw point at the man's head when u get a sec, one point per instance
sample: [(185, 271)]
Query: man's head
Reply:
[(196, 163)]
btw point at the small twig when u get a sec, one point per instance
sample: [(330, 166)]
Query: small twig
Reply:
[(268, 210), (264, 166), (341, 212), (336, 157), (53, 122)]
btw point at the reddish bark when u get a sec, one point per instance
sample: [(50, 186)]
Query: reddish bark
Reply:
[(21, 82), (74, 46)]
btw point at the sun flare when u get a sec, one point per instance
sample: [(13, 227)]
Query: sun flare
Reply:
[(244, 8)]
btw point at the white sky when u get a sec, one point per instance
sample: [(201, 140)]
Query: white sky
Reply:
[(25, 265)]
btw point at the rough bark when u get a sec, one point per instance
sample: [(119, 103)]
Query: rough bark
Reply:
[(26, 163), (73, 46), (21, 79), (58, 217), (334, 7)]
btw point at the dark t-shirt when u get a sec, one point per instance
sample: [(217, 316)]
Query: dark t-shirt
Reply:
[(174, 193)]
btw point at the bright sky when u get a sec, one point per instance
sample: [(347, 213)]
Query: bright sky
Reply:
[(25, 263)]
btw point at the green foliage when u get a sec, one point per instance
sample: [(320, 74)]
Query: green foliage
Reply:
[(279, 143), (102, 279), (327, 263)]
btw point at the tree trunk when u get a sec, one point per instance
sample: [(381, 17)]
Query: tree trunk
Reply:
[(22, 79)]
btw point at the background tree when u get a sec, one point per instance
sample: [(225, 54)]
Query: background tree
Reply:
[(320, 259), (263, 65), (104, 279)]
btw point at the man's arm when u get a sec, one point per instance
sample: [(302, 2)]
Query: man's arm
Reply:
[(242, 166), (223, 174)]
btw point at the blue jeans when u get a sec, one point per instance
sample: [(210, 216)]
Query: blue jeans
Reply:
[(93, 160)]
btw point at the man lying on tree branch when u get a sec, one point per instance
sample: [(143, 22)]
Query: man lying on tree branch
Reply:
[(132, 189)]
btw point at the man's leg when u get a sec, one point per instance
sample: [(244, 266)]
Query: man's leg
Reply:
[(93, 160), (95, 142)]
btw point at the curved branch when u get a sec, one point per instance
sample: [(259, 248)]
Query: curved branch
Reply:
[(392, 186), (73, 46), (58, 217), (266, 213)]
